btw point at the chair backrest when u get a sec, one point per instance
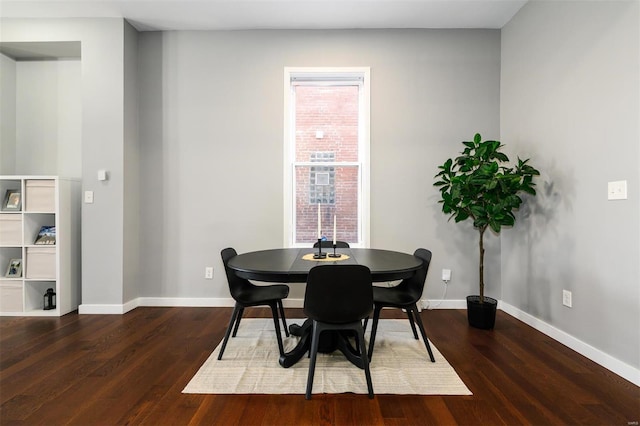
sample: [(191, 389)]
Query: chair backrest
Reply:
[(414, 286), (338, 293), (237, 285), (329, 244)]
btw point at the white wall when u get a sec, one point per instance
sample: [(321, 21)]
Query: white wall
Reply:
[(41, 117), (570, 100), (7, 115), (48, 118), (212, 144)]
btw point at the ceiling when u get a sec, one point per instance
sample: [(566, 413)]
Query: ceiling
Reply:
[(41, 51), (153, 15)]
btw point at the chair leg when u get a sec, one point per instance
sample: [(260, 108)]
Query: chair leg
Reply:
[(238, 318), (361, 355), (284, 320), (374, 329), (365, 361), (413, 326), (315, 337), (364, 324), (276, 322), (424, 334), (236, 310)]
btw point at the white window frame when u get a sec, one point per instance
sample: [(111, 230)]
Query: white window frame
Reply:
[(331, 75)]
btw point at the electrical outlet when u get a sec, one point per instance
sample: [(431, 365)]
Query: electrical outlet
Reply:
[(208, 272), (446, 275), (617, 190), (566, 298)]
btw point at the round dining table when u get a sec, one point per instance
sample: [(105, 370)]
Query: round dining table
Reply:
[(292, 265)]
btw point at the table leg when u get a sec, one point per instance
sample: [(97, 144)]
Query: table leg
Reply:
[(300, 330), (329, 342), (349, 351), (304, 344)]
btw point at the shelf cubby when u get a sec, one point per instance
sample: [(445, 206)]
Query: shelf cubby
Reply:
[(46, 201)]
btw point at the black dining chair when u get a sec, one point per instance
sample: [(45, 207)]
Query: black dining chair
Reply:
[(329, 244), (247, 295), (403, 296), (338, 297)]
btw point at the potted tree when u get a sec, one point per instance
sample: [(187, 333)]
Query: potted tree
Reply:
[(481, 186)]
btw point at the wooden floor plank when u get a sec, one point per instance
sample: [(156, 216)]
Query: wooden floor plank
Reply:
[(131, 369)]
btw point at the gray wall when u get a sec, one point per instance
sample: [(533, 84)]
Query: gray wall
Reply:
[(212, 144), (41, 117), (569, 99), (48, 118), (7, 115), (102, 47), (210, 153), (131, 211)]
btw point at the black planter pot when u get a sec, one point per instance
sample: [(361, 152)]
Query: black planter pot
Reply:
[(481, 315)]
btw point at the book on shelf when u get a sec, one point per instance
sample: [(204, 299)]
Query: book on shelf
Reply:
[(46, 236)]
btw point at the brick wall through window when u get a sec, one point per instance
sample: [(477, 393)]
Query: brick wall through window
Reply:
[(326, 130)]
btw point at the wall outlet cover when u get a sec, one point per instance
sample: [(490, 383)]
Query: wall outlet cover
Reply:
[(617, 190)]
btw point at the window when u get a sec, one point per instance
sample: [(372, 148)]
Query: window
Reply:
[(326, 154), (322, 180)]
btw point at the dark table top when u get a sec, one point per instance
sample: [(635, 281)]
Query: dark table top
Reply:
[(288, 266)]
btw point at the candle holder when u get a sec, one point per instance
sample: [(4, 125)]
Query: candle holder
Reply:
[(49, 300), (320, 254), (334, 252)]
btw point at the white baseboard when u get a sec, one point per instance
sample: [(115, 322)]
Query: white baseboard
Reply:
[(157, 302), (105, 309), (221, 302), (618, 367), (442, 304), (293, 303), (202, 302)]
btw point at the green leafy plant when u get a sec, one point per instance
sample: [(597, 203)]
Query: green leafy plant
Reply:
[(478, 185)]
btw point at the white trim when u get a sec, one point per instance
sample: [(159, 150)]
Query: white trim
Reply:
[(443, 304), (330, 164), (203, 302), (365, 147), (288, 167), (170, 302), (618, 367), (293, 303), (131, 305), (106, 309)]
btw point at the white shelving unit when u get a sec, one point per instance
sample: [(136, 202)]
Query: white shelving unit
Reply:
[(46, 201)]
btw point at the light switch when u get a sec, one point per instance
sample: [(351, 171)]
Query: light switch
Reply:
[(102, 175), (88, 197), (617, 190)]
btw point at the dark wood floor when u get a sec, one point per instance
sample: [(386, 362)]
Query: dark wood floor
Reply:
[(131, 369)]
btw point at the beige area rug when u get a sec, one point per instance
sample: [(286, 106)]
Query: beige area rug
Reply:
[(400, 365)]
